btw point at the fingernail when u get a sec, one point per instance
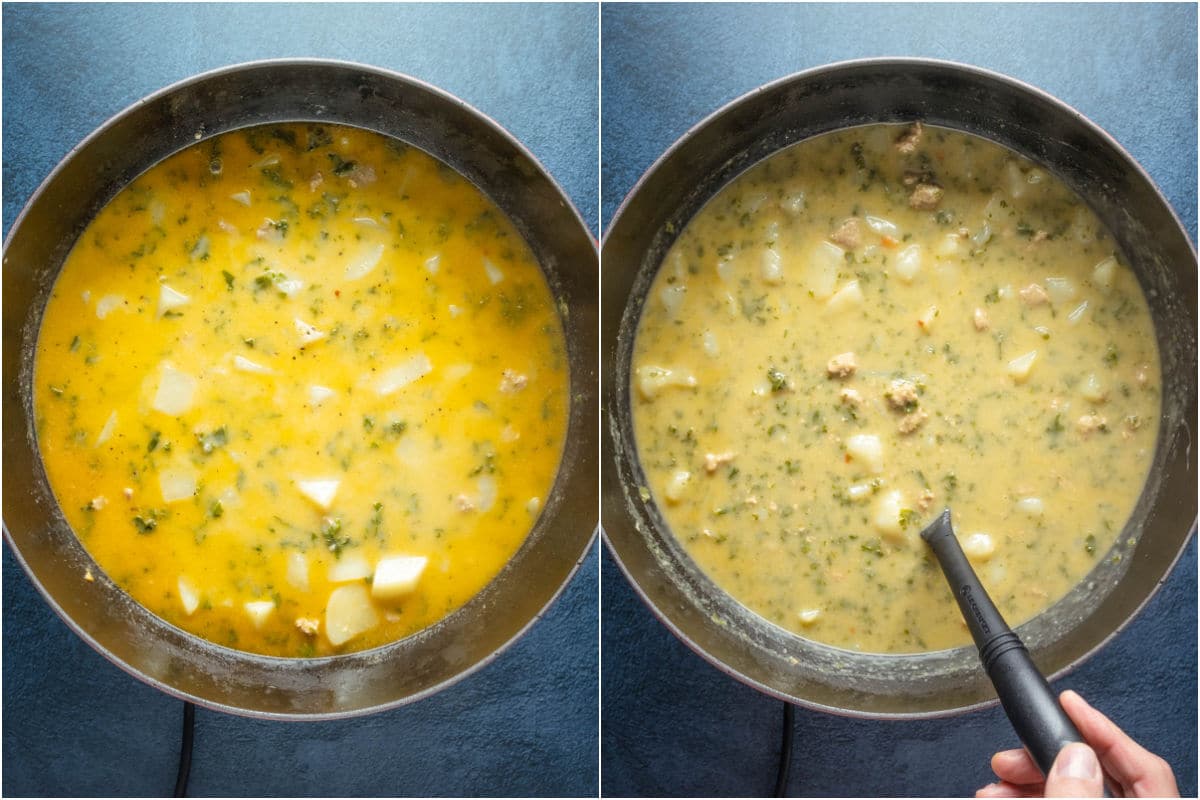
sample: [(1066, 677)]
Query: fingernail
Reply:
[(1077, 761)]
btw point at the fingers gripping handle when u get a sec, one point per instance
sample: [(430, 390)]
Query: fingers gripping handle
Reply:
[(1031, 706)]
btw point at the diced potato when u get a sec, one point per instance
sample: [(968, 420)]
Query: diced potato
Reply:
[(925, 321), (348, 613), (710, 344), (169, 299), (1104, 274), (1020, 366), (397, 576), (308, 334), (882, 226), (412, 369), (364, 261), (432, 263), (978, 546), (809, 616), (1093, 389), (242, 197), (676, 487), (867, 449), (107, 304), (243, 364), (886, 518), (189, 596), (177, 483), (908, 263), (297, 571), (793, 203), (289, 286), (456, 372), (1032, 506), (319, 394), (859, 492), (259, 611), (486, 485), (534, 505), (672, 296), (725, 269), (1060, 290), (107, 431), (494, 274), (824, 261), (176, 391), (1016, 180), (849, 296), (1078, 313), (350, 567), (319, 490), (948, 245), (652, 380), (771, 266)]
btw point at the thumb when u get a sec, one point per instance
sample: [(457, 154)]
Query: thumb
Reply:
[(1076, 773)]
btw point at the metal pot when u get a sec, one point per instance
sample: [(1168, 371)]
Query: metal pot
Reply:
[(717, 150), (144, 134)]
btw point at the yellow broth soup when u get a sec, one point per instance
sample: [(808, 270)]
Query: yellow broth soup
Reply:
[(301, 389), (870, 326)]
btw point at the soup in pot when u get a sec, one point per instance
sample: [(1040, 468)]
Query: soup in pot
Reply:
[(301, 389), (870, 326)]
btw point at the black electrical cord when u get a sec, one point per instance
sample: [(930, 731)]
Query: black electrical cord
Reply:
[(785, 750), (185, 749)]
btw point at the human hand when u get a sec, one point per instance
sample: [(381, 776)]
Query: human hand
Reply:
[(1133, 770)]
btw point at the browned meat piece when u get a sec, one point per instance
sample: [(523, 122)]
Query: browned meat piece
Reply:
[(982, 323), (512, 381), (851, 398), (1090, 423), (925, 500), (849, 234), (842, 365), (714, 460), (925, 197), (1034, 295), (908, 141), (902, 395), (910, 422)]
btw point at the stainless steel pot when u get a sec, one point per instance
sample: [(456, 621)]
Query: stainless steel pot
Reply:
[(164, 123), (1024, 119)]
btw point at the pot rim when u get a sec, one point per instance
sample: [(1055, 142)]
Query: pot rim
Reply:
[(669, 154)]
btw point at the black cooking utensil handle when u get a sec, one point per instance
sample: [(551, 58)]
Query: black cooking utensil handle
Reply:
[(1034, 711)]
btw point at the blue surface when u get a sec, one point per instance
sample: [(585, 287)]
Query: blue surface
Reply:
[(524, 725), (673, 725)]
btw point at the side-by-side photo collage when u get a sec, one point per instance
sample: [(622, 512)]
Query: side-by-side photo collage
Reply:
[(599, 399)]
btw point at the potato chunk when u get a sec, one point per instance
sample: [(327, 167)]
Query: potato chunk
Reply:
[(652, 380), (397, 576), (842, 365), (886, 518), (1020, 367), (868, 450), (348, 613)]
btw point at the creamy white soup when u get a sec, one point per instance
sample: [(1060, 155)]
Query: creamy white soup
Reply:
[(870, 326)]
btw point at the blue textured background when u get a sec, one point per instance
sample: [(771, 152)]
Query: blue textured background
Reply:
[(526, 724), (673, 725)]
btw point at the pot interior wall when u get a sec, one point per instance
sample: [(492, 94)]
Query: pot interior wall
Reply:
[(725, 145), (129, 144)]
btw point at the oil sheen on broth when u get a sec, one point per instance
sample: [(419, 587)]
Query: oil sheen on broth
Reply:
[(872, 325), (301, 390)]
